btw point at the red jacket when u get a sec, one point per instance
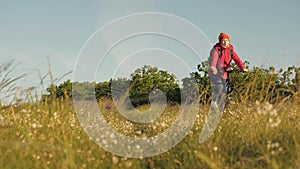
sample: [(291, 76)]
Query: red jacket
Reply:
[(222, 62)]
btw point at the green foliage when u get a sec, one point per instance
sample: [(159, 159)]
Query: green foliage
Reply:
[(202, 80), (258, 84), (84, 90), (260, 132), (143, 81), (147, 79)]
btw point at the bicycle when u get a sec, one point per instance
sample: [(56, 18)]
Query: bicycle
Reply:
[(216, 109), (231, 92)]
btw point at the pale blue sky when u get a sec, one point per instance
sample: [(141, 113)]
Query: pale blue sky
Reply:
[(262, 32)]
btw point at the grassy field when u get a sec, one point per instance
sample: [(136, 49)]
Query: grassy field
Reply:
[(250, 135)]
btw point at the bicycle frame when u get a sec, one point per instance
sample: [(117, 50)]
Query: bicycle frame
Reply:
[(230, 85)]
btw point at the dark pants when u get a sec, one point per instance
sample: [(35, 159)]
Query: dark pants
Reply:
[(219, 90)]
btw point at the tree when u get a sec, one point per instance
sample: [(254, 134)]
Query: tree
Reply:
[(146, 79), (258, 84), (65, 89)]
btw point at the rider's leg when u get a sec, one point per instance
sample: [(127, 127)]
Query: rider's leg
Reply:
[(218, 92)]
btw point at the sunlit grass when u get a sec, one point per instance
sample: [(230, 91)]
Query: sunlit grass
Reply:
[(253, 135), (130, 128)]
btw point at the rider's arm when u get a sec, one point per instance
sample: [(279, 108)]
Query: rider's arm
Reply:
[(237, 60), (215, 59)]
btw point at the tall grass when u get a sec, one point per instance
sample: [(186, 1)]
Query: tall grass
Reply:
[(251, 134), (256, 135), (8, 82)]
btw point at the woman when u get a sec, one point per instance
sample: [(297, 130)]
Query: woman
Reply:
[(221, 56)]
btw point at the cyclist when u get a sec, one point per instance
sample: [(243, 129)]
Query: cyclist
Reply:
[(220, 58)]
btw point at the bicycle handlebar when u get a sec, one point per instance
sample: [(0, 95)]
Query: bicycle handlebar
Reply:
[(235, 70)]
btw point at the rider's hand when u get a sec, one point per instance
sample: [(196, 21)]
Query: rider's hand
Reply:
[(214, 70), (245, 70)]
